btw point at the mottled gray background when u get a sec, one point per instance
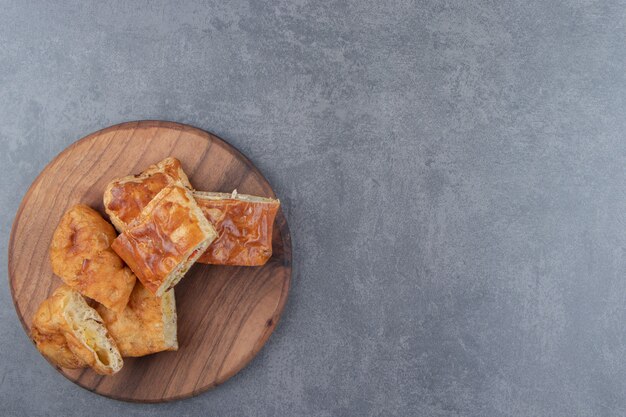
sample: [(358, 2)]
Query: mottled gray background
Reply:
[(453, 174)]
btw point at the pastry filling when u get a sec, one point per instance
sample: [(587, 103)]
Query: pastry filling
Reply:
[(182, 268)]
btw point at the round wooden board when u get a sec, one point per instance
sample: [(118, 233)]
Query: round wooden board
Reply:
[(225, 314)]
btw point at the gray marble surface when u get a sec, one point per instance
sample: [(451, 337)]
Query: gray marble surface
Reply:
[(453, 174)]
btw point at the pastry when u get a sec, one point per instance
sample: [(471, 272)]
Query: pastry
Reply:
[(125, 198), (244, 225), (81, 254), (244, 222), (71, 334), (147, 324), (167, 238)]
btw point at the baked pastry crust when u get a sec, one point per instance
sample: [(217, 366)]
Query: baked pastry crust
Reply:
[(124, 198), (147, 325), (167, 238), (244, 224), (70, 333), (81, 254)]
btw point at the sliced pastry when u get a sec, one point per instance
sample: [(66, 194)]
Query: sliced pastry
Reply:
[(125, 198), (167, 238), (244, 224), (81, 254), (71, 334), (147, 325)]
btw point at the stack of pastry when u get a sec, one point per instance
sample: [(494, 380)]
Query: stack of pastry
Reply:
[(118, 298)]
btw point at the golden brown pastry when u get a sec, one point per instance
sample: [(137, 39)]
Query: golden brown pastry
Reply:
[(244, 225), (147, 324), (125, 198), (244, 222), (70, 334), (81, 255), (168, 237)]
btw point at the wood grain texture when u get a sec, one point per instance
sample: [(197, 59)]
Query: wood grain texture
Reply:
[(225, 314)]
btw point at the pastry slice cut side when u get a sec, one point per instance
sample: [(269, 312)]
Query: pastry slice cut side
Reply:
[(81, 255), (168, 237), (244, 224), (125, 198), (71, 334), (147, 325)]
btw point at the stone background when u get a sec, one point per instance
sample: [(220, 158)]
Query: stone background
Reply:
[(453, 174)]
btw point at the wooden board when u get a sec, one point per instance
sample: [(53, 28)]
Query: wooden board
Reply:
[(225, 314)]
